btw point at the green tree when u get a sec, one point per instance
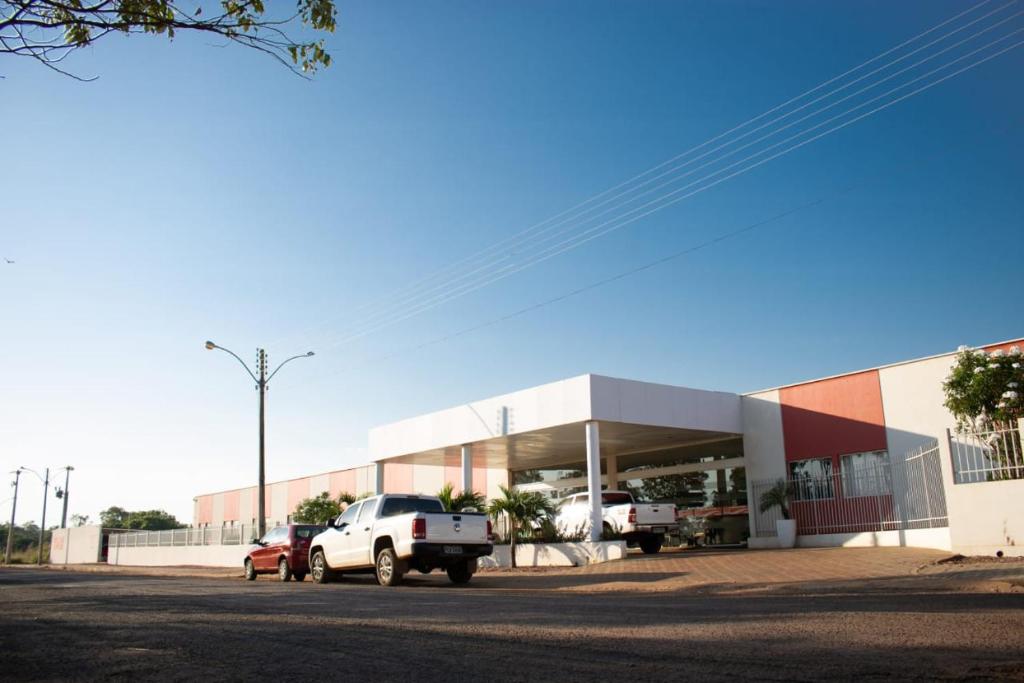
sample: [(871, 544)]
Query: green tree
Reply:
[(49, 30), (148, 520), (986, 390), (465, 499), (317, 510), (79, 520), (777, 495), (520, 509), (114, 518)]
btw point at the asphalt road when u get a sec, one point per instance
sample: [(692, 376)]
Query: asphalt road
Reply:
[(77, 626)]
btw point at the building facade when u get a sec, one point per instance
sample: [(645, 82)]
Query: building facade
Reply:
[(871, 458)]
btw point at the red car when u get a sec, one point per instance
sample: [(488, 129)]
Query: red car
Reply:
[(285, 550)]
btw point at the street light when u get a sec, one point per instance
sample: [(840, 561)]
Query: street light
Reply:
[(42, 525), (261, 385)]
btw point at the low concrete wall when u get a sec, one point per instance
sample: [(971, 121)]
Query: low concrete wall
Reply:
[(184, 555), (937, 539), (556, 554), (76, 545)]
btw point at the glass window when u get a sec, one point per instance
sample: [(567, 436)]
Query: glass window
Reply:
[(866, 474), (812, 479), (349, 515), (307, 531), (367, 512), (401, 506), (615, 498)]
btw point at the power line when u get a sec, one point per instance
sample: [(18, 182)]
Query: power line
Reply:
[(612, 224), (427, 293), (418, 283)]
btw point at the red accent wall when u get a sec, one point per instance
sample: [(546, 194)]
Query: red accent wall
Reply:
[(833, 417), (1006, 346), (231, 506), (205, 510)]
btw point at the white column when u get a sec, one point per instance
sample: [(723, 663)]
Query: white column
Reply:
[(467, 468), (611, 471), (379, 486), (594, 479)]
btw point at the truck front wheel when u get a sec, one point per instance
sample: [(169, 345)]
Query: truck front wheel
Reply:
[(389, 568), (651, 544), (318, 567), (461, 572)]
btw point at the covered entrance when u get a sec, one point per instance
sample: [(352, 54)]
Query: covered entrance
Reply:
[(662, 443)]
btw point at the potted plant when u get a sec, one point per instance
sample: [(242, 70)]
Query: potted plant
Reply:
[(785, 528)]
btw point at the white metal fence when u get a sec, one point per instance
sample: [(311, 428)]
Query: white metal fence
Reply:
[(994, 455), (231, 535), (907, 494)]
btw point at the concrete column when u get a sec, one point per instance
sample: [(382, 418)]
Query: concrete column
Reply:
[(611, 471), (379, 487), (467, 468), (593, 437)]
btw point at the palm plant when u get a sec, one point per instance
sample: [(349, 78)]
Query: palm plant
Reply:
[(778, 494), (453, 502), (520, 509)]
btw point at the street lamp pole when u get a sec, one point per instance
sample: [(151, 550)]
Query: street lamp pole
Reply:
[(10, 529), (262, 384), (42, 526)]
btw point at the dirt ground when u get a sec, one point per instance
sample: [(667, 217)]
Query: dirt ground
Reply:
[(916, 621)]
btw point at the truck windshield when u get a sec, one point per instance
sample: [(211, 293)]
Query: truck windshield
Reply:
[(616, 498), (401, 506)]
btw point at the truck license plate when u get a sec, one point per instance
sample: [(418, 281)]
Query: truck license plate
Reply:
[(659, 529), (453, 550)]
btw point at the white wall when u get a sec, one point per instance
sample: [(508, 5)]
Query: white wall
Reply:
[(172, 556), (76, 545), (984, 517)]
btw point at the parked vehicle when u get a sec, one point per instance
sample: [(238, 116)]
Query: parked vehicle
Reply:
[(393, 533), (285, 550), (640, 524)]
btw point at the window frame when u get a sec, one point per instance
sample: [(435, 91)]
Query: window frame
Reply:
[(887, 474)]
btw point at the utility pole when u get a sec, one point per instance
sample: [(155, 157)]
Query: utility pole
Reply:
[(261, 366), (64, 494), (42, 526), (10, 529), (262, 380)]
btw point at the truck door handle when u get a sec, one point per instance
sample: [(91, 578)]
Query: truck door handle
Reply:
[(366, 528)]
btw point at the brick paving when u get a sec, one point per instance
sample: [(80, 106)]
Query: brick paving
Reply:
[(739, 570)]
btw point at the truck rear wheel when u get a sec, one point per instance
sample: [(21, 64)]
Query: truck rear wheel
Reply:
[(461, 572), (389, 568), (651, 545)]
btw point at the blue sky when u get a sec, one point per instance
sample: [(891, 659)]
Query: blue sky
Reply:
[(195, 192)]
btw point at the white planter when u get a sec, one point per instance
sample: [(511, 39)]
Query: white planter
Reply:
[(785, 529), (556, 554)]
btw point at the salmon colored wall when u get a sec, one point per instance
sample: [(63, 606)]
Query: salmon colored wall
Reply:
[(833, 417), (298, 490), (453, 470), (397, 477), (268, 502), (480, 474), (231, 506), (343, 482), (205, 510)]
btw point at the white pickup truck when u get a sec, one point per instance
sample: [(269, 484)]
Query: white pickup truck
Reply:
[(391, 534), (643, 524)]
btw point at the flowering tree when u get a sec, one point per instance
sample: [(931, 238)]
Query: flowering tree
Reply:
[(983, 390)]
